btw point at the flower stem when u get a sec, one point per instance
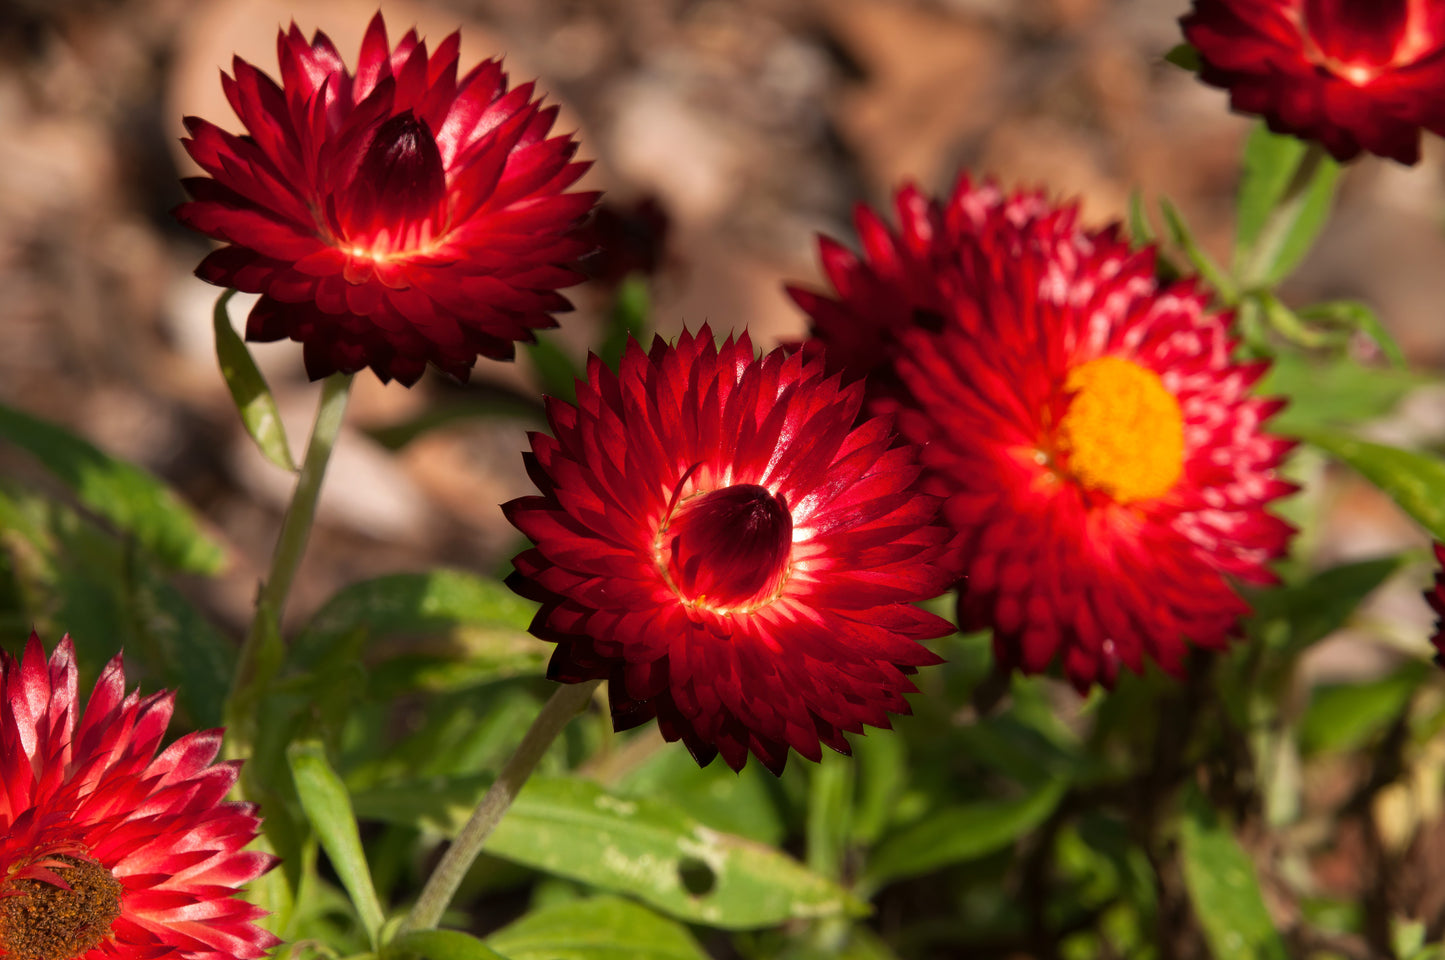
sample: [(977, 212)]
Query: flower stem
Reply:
[(566, 702), (290, 545), (1280, 222)]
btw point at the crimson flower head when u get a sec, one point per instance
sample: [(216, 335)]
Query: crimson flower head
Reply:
[(716, 539), (1102, 461), (391, 217), (1352, 75), (108, 849), (905, 279)]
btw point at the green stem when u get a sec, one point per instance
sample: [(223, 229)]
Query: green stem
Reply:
[(1275, 232), (290, 545), (566, 702)]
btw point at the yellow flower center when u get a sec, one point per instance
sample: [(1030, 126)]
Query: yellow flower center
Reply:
[(40, 921), (1123, 433)]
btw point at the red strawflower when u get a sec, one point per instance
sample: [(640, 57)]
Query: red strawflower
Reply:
[(106, 848), (717, 540), (905, 279), (1100, 458), (1352, 75), (391, 217), (1436, 597)]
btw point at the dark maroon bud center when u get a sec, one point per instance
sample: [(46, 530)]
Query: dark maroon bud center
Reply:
[(730, 547), (400, 181), (1357, 33)]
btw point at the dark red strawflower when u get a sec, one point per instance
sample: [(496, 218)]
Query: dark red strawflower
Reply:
[(1352, 75), (716, 539), (906, 278), (1436, 598), (391, 217), (108, 849), (628, 239), (1101, 459)]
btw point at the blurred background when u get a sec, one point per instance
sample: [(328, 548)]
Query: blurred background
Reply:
[(750, 124)]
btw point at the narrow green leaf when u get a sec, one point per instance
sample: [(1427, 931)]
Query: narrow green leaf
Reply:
[(1203, 263), (1353, 315), (134, 501), (1223, 888), (1184, 55), (1270, 160), (441, 945), (830, 814), (412, 604), (250, 391), (959, 833), (1332, 394), (1413, 480), (328, 808), (1141, 232), (1271, 164), (599, 928), (1345, 717), (629, 319), (556, 371), (1320, 605), (643, 847)]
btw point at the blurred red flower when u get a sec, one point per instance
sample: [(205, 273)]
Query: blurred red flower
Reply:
[(1436, 596), (106, 848), (1351, 75), (717, 540), (391, 217), (1101, 460)]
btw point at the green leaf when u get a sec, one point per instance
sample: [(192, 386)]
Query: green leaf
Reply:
[(1223, 887), (628, 319), (1184, 55), (441, 945), (412, 604), (1354, 316), (556, 371), (740, 803), (1344, 717), (1271, 164), (1202, 262), (599, 928), (958, 833), (250, 391), (328, 808), (1413, 480), (1320, 605), (1332, 394), (1140, 230), (125, 495), (643, 847)]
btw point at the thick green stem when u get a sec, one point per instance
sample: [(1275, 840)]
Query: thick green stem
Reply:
[(290, 545), (567, 701), (1275, 232)]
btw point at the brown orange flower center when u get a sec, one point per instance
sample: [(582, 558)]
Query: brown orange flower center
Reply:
[(41, 921), (1123, 432), (728, 549)]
